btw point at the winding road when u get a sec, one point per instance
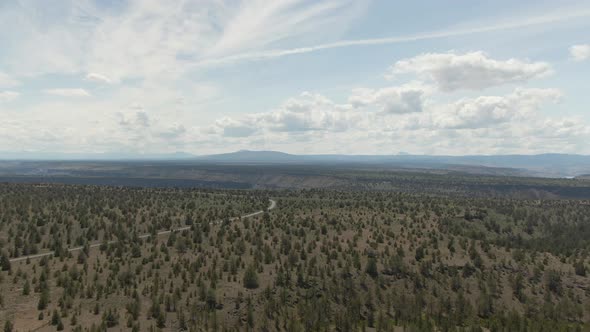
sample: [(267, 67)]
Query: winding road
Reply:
[(272, 205)]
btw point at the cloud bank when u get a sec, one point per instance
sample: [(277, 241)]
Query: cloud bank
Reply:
[(94, 78), (469, 71)]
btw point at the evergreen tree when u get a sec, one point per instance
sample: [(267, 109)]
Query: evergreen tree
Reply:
[(4, 262), (251, 278), (371, 268)]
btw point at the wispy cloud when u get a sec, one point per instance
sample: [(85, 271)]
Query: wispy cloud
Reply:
[(506, 25), (98, 78), (154, 38), (261, 23), (68, 92)]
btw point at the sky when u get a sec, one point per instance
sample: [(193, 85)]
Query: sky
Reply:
[(337, 76)]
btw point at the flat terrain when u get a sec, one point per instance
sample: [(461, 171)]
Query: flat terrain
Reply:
[(483, 182), (433, 253)]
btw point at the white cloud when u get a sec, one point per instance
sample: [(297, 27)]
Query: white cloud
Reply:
[(76, 92), (309, 112), (98, 78), (393, 100), (134, 117), (6, 96), (580, 52), (229, 127), (7, 81), (308, 123), (143, 119), (303, 114), (491, 124), (174, 131), (471, 71), (490, 111)]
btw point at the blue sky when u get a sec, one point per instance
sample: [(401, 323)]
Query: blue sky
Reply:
[(300, 76)]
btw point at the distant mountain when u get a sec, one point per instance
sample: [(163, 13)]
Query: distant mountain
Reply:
[(545, 165), (552, 165), (253, 156)]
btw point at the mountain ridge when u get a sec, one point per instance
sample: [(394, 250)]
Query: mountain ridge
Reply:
[(544, 165)]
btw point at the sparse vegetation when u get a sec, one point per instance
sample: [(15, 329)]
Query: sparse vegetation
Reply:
[(323, 260)]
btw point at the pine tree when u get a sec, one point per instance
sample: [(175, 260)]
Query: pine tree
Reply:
[(5, 262), (43, 299), (251, 278), (26, 287), (371, 268), (8, 327)]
